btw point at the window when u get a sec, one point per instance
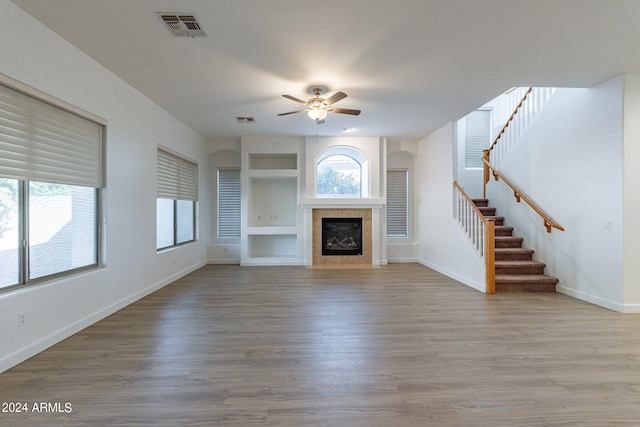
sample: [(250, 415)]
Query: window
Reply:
[(477, 137), (229, 203), (176, 200), (397, 203), (50, 179), (338, 176)]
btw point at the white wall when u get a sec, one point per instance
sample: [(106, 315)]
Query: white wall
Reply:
[(443, 246), (34, 55), (570, 162), (631, 278)]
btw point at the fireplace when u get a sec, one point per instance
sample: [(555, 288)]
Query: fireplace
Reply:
[(341, 236), (342, 257)]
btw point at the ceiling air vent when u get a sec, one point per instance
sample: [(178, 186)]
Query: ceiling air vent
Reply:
[(242, 119), (183, 25)]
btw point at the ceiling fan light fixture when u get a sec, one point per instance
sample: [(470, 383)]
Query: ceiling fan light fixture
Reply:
[(317, 113)]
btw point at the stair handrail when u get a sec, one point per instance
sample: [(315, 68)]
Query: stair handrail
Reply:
[(532, 102), (480, 231), (519, 195), (510, 119)]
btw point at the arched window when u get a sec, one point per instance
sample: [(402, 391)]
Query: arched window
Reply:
[(341, 172)]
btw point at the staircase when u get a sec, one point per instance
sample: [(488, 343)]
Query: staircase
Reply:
[(516, 271)]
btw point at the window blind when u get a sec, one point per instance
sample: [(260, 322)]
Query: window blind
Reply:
[(477, 137), (177, 177), (229, 203), (42, 142), (397, 203)]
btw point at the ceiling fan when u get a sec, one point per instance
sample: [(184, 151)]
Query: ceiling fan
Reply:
[(317, 107)]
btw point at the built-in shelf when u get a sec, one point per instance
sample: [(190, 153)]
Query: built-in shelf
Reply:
[(271, 179), (273, 161), (272, 173), (273, 202), (273, 246)]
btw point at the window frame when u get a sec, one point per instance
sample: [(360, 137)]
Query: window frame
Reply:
[(472, 159), (239, 206), (406, 204), (354, 154), (175, 225), (40, 99), (176, 181)]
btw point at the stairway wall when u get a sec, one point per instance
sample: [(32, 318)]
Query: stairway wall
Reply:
[(570, 162), (443, 246)]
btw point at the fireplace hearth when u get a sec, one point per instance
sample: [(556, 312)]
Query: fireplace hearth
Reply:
[(341, 236)]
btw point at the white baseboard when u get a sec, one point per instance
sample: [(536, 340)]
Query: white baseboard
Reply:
[(479, 286), (256, 262), (224, 261), (34, 348), (611, 305), (404, 260)]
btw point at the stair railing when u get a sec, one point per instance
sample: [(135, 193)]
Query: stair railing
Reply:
[(519, 195), (532, 102), (481, 234)]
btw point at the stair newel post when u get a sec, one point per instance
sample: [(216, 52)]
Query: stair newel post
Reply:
[(490, 255), (487, 175)]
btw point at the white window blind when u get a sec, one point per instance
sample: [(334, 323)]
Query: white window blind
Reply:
[(229, 203), (397, 203), (177, 177), (45, 143), (477, 137)]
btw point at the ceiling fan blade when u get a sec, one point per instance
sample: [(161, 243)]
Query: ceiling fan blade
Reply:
[(335, 97), (293, 112), (294, 99), (344, 111)]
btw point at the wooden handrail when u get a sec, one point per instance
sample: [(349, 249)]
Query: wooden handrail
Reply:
[(506, 125), (519, 195), (489, 246), (470, 201)]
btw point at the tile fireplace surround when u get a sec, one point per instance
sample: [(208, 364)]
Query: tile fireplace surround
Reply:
[(321, 260)]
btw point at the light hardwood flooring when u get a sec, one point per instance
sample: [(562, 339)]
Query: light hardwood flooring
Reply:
[(399, 345)]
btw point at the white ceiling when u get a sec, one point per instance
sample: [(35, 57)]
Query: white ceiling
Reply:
[(409, 65)]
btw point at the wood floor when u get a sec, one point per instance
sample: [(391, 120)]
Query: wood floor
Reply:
[(399, 345)]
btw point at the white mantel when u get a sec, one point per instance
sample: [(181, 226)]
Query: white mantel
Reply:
[(340, 202)]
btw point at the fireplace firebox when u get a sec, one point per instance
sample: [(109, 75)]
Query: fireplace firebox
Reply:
[(341, 236)]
